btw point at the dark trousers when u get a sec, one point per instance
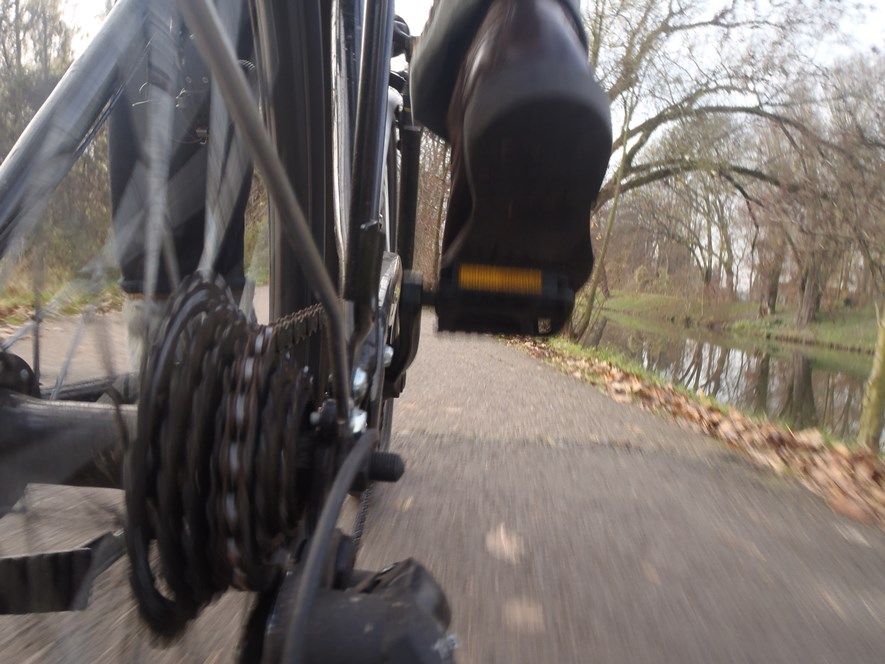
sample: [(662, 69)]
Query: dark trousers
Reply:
[(188, 185)]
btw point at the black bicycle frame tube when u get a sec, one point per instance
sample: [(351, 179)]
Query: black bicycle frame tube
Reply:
[(407, 209), (371, 118), (50, 441), (47, 148), (364, 255)]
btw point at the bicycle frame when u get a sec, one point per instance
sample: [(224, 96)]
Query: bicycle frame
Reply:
[(77, 109), (80, 104), (47, 149)]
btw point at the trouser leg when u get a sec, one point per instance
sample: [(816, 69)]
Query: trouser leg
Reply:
[(186, 208)]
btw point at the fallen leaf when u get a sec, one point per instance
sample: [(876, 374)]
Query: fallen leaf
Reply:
[(841, 450), (523, 615), (851, 507), (810, 438), (651, 574), (504, 545)]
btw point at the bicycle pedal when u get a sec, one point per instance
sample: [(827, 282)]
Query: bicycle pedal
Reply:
[(497, 299)]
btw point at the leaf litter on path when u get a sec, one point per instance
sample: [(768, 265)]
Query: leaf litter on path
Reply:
[(852, 482)]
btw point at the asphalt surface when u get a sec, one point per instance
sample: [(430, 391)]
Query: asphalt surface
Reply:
[(565, 527)]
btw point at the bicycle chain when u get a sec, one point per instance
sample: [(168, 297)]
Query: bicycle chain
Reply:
[(211, 477)]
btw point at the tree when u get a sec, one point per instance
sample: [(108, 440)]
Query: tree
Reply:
[(696, 66), (697, 210), (872, 416), (580, 330), (433, 198), (35, 51), (827, 211), (688, 60), (857, 114)]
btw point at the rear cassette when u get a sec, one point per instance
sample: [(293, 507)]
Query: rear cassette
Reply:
[(211, 477)]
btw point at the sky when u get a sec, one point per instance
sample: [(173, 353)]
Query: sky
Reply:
[(85, 14)]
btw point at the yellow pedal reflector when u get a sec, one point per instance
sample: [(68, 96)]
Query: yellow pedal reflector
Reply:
[(496, 279)]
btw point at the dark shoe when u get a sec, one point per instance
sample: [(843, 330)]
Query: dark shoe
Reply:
[(531, 136)]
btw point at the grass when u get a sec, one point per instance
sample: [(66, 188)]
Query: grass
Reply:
[(849, 328), (65, 298), (678, 310), (842, 327)]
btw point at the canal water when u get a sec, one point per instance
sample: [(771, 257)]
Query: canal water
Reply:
[(800, 385)]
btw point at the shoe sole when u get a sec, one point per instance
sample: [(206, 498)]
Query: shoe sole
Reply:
[(535, 154)]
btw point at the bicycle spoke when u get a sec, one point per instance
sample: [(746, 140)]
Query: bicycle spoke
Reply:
[(75, 342)]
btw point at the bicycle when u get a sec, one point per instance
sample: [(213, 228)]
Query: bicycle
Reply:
[(241, 441)]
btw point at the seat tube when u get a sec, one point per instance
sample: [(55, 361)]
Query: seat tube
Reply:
[(366, 237)]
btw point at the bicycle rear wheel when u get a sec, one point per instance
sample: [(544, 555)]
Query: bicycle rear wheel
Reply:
[(73, 334)]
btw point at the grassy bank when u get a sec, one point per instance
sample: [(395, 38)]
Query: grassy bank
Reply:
[(844, 328), (63, 299)]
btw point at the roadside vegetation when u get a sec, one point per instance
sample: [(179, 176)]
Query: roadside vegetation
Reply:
[(838, 325)]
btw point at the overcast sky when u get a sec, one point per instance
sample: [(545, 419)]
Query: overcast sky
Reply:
[(85, 14)]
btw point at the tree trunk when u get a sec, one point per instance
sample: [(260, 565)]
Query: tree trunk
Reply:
[(774, 280), (579, 328), (811, 295), (595, 336), (800, 408), (603, 283), (583, 325), (761, 380), (873, 412), (437, 243)]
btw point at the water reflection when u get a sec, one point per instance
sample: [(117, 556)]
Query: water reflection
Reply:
[(783, 383)]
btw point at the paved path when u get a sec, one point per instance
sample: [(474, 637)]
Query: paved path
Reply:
[(571, 528), (564, 526)]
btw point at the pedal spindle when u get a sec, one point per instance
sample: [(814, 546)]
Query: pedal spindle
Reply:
[(212, 475)]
